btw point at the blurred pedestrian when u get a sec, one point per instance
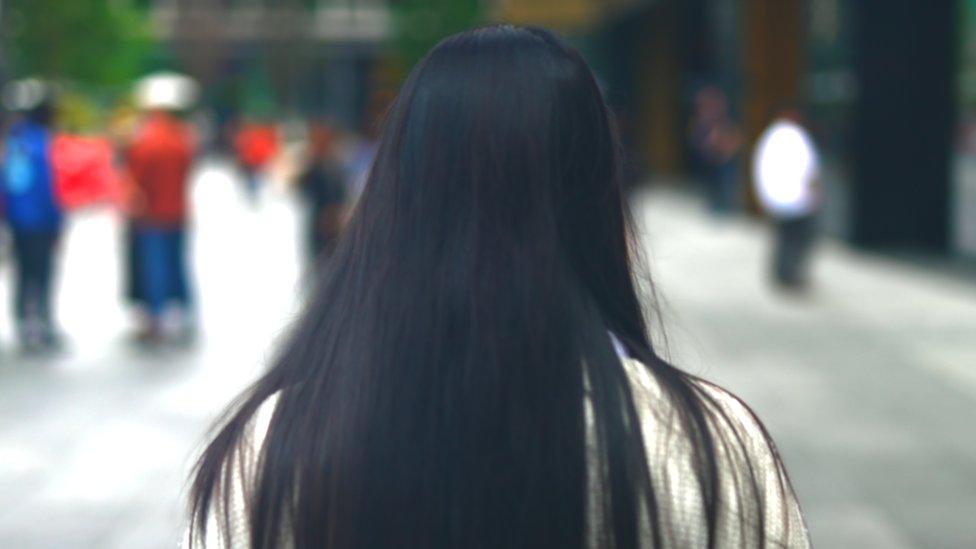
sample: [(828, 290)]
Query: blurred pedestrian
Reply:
[(33, 213), (786, 171), (123, 126), (475, 369), (365, 145), (255, 144), (322, 184), (716, 141), (159, 161)]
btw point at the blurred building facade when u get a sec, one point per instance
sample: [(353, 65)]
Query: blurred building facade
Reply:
[(888, 88), (313, 57)]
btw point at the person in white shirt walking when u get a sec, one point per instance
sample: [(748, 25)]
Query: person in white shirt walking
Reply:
[(786, 172)]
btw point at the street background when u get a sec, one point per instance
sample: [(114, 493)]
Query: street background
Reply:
[(865, 384), (866, 378)]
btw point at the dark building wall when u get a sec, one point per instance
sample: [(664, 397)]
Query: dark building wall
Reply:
[(637, 61), (772, 57), (904, 59), (651, 60), (659, 85)]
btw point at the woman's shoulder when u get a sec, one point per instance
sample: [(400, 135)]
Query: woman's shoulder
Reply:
[(744, 453), (227, 521), (652, 397)]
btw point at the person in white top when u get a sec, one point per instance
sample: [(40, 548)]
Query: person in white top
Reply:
[(786, 172)]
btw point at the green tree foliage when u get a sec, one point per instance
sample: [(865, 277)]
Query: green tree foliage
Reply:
[(89, 42), (419, 24)]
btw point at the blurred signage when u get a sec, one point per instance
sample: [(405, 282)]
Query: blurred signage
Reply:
[(575, 14), (325, 23)]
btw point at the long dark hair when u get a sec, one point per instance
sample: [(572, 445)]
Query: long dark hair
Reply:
[(453, 382)]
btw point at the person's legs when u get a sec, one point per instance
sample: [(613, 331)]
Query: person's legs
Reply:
[(133, 277), (728, 187), (793, 239), (252, 183), (713, 189), (151, 244), (177, 252), (46, 248), (23, 282), (804, 235), (782, 257), (791, 264), (182, 291), (33, 250)]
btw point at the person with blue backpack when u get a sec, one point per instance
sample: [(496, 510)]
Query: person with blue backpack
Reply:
[(34, 217)]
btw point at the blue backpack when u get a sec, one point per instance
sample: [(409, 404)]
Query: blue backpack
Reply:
[(27, 179), (19, 173)]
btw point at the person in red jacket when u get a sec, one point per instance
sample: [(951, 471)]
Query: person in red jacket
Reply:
[(256, 145), (159, 161)]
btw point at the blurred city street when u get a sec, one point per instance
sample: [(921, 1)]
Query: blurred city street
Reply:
[(95, 444), (868, 384), (237, 136)]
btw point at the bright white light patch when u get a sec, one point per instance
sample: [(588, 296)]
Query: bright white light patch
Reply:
[(785, 166), (166, 90)]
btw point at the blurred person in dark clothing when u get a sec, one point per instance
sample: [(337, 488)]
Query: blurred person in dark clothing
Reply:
[(323, 187), (33, 213), (716, 141), (159, 161), (786, 170), (365, 146), (122, 128)]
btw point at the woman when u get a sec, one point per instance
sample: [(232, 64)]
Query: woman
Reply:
[(475, 369)]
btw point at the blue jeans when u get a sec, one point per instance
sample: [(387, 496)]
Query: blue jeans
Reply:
[(161, 256)]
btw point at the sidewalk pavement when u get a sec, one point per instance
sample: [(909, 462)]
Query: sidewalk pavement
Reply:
[(96, 443), (868, 385)]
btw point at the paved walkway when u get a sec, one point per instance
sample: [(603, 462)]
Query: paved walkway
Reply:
[(869, 386), (95, 444)]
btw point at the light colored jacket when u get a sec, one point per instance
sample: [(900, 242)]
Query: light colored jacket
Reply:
[(669, 453)]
